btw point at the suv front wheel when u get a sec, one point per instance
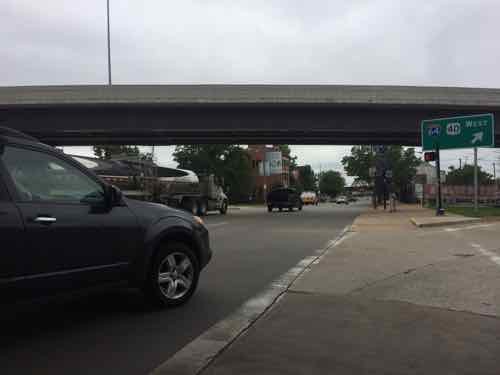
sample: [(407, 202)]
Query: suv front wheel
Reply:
[(173, 276)]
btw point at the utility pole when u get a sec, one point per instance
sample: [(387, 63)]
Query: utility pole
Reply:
[(494, 172), (476, 207), (459, 163), (109, 44)]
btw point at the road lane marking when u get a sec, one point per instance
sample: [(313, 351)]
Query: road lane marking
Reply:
[(494, 257), (199, 353)]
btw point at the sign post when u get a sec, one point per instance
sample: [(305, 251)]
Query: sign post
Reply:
[(476, 187), (458, 132), (439, 206)]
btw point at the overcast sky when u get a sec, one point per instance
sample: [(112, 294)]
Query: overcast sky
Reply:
[(393, 42)]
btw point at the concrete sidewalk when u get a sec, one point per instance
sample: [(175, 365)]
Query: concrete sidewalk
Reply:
[(411, 214), (390, 298)]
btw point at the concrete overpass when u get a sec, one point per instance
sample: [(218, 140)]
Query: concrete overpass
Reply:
[(245, 114)]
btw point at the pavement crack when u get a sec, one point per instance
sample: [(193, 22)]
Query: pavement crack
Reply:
[(372, 283), (444, 308), (406, 272), (295, 291)]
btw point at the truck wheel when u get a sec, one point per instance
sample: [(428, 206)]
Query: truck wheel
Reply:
[(223, 208), (173, 276), (190, 205), (202, 208)]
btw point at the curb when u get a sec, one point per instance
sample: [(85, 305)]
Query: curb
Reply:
[(490, 219), (199, 353), (444, 223)]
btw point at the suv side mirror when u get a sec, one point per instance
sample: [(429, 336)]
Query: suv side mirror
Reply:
[(114, 196)]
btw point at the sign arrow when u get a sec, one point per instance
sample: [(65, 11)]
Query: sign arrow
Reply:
[(477, 137)]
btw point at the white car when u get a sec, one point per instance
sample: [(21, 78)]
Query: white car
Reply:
[(342, 200)]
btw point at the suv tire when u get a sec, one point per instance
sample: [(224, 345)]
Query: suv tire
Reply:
[(173, 275)]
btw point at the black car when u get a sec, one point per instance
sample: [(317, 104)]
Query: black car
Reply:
[(284, 198), (63, 229)]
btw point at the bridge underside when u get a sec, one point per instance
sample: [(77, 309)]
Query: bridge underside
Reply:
[(242, 124), (244, 114)]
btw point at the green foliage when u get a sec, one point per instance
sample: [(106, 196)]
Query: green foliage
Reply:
[(106, 152), (306, 179), (229, 162), (401, 161), (237, 175), (465, 176), (469, 211), (285, 151), (331, 183), (358, 164)]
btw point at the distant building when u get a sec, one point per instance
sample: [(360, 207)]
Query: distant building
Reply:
[(269, 169)]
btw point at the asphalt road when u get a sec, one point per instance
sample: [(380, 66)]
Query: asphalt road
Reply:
[(113, 332)]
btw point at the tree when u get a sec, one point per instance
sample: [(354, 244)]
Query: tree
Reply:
[(202, 159), (306, 179), (237, 175), (229, 162), (401, 161), (331, 183), (285, 151), (106, 152), (465, 176), (358, 164)]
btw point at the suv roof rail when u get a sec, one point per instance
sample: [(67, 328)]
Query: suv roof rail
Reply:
[(9, 132)]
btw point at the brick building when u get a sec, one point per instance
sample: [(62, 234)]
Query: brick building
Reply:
[(263, 162)]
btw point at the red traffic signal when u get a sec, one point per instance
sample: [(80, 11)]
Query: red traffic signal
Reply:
[(430, 156)]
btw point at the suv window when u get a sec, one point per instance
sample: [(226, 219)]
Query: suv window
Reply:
[(40, 177)]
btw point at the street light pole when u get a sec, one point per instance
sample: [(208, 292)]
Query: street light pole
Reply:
[(109, 44)]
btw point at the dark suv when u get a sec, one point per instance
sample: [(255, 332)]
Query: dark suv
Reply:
[(284, 198), (62, 229)]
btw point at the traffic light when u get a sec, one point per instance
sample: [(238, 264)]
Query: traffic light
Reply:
[(430, 156)]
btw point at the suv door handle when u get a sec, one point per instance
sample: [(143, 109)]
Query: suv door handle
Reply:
[(45, 219)]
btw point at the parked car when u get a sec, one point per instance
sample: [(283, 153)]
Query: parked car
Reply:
[(342, 200), (281, 198), (352, 199), (63, 228)]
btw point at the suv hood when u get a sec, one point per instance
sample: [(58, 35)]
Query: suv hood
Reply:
[(148, 213)]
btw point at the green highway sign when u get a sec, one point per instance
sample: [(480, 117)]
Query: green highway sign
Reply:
[(458, 132)]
